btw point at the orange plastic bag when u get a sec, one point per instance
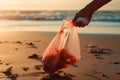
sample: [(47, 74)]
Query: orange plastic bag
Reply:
[(64, 49)]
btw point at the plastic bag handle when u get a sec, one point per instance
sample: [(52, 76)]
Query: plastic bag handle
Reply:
[(68, 25)]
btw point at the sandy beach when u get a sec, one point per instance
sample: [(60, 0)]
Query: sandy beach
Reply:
[(21, 54)]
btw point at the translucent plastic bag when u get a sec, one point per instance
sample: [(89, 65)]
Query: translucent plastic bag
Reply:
[(64, 49)]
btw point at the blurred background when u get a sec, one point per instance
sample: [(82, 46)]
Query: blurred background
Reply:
[(41, 14)]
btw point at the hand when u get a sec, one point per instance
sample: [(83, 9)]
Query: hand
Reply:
[(82, 13)]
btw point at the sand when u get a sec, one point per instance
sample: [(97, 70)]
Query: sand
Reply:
[(21, 53)]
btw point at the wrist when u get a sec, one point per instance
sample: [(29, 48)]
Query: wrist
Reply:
[(95, 5), (88, 11)]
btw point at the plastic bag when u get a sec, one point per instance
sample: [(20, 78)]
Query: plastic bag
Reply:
[(63, 50)]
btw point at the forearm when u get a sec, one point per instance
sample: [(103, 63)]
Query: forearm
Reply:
[(96, 4)]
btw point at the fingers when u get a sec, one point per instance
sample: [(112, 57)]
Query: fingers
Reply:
[(82, 18), (81, 21), (80, 24)]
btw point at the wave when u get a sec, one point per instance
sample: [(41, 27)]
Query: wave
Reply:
[(57, 15)]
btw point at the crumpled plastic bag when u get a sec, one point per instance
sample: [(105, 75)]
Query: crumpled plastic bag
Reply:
[(63, 50)]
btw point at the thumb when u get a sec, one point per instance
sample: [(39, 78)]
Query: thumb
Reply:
[(76, 17)]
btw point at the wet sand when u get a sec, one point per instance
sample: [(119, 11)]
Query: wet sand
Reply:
[(21, 53)]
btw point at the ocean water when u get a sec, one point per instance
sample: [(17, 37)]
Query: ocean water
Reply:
[(27, 23), (53, 19)]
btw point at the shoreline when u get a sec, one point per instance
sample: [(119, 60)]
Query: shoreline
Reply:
[(85, 30)]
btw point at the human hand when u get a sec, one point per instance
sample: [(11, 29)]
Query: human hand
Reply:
[(82, 14)]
